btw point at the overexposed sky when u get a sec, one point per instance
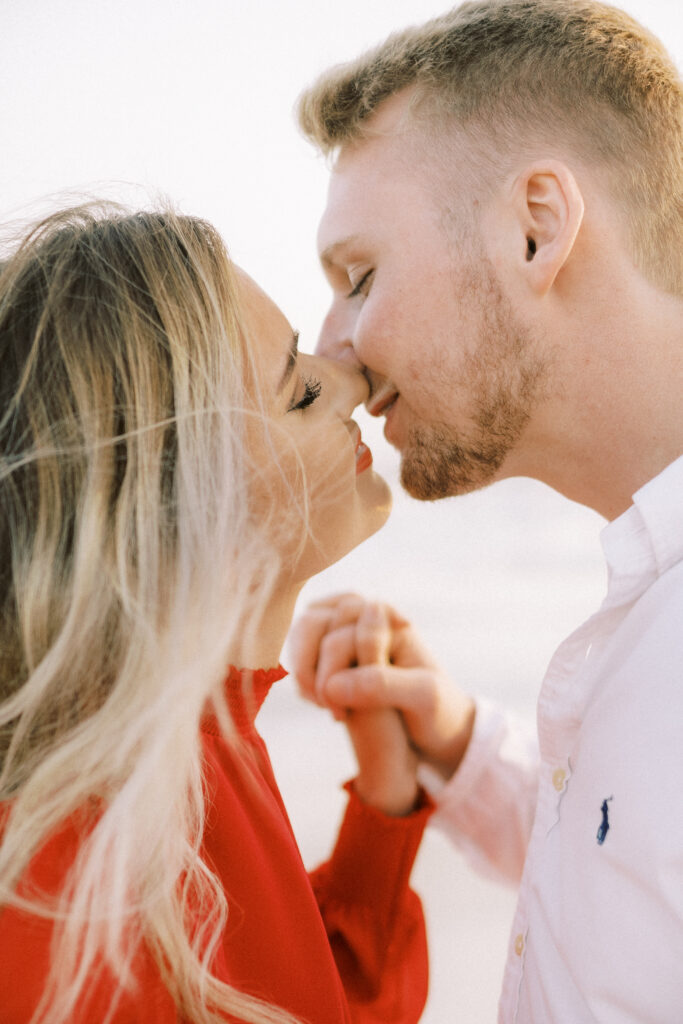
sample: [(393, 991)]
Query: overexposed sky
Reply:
[(193, 99)]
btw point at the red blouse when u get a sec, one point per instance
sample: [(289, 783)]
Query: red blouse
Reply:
[(343, 944)]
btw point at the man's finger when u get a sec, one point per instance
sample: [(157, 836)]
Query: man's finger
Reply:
[(376, 686)]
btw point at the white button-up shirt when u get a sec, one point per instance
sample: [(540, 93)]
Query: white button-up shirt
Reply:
[(595, 826)]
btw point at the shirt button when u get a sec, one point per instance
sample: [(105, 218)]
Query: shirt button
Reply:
[(559, 776), (519, 944)]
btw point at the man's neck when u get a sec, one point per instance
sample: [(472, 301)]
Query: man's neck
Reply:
[(616, 420)]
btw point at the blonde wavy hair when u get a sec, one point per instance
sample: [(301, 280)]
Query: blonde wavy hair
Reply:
[(514, 73), (130, 564)]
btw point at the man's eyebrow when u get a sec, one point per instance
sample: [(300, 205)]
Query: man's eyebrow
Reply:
[(291, 362), (327, 256)]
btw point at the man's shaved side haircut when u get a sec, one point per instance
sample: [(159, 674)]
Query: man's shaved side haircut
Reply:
[(517, 74)]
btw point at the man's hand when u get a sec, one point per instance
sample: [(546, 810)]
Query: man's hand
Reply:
[(394, 671)]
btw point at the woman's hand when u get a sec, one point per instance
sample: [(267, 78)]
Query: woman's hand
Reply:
[(387, 765), (397, 673)]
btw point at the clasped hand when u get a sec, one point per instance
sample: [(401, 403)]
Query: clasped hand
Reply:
[(365, 662)]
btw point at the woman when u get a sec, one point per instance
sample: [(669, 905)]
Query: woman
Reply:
[(172, 472)]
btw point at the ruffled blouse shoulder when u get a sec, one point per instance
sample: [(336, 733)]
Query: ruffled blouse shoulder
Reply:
[(245, 691)]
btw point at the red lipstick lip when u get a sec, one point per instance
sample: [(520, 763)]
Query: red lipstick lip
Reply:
[(363, 458), (362, 453)]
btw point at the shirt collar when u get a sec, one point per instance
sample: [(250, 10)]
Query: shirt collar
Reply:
[(648, 538)]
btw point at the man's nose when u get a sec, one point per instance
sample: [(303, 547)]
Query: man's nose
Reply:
[(335, 339)]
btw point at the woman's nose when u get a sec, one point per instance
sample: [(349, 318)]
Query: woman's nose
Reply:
[(347, 382)]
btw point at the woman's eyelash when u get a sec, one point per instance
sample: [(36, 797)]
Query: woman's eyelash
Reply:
[(358, 288), (312, 389)]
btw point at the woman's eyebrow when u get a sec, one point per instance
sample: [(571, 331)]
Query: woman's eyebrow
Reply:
[(291, 362)]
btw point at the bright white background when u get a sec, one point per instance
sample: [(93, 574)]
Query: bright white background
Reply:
[(193, 99)]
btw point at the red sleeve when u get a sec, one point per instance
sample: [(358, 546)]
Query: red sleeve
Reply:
[(374, 920)]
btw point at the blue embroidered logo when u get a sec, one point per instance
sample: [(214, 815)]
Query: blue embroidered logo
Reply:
[(604, 824)]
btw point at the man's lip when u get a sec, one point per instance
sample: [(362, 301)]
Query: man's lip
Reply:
[(380, 403)]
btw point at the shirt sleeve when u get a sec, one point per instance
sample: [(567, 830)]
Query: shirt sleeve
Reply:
[(487, 809), (373, 919)]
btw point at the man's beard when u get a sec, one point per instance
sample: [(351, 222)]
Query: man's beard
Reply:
[(502, 382), (436, 465)]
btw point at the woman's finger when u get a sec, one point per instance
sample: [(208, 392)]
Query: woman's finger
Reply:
[(305, 638), (373, 635), (337, 652)]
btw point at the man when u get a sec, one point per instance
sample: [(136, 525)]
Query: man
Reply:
[(503, 238)]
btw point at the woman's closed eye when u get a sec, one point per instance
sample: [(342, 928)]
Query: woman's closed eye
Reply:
[(312, 389)]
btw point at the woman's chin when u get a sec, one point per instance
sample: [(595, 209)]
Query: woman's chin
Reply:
[(314, 562), (375, 499)]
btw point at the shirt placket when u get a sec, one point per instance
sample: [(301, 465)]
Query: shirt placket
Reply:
[(560, 706)]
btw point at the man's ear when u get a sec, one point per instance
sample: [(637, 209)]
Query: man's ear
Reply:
[(548, 210)]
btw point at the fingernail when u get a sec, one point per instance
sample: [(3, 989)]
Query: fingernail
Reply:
[(373, 613)]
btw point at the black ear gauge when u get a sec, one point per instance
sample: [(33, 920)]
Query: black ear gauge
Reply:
[(530, 249)]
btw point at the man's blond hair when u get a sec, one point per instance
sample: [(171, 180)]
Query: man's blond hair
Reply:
[(574, 72)]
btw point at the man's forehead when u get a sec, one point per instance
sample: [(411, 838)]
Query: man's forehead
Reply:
[(338, 225), (359, 184), (383, 136)]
